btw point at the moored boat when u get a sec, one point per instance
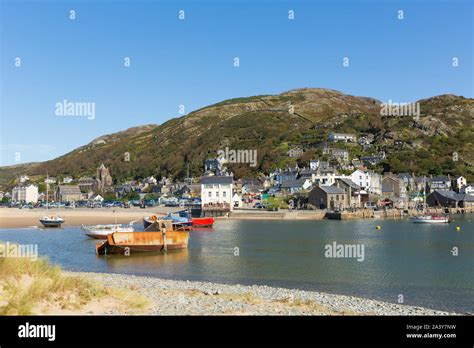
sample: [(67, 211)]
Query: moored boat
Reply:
[(181, 222), (198, 221), (203, 222), (101, 231), (432, 218), (52, 221), (163, 236)]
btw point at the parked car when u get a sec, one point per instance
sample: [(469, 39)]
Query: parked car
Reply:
[(81, 204), (94, 205)]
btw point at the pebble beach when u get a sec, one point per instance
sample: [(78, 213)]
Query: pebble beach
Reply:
[(178, 297)]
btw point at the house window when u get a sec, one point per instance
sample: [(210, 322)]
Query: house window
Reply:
[(224, 194), (210, 194), (337, 197), (217, 194)]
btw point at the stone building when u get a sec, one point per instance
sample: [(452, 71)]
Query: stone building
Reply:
[(328, 197), (104, 179), (69, 193)]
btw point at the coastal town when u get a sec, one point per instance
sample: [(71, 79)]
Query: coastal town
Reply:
[(299, 163), (333, 184)]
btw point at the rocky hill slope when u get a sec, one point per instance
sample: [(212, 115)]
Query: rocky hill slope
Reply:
[(272, 124)]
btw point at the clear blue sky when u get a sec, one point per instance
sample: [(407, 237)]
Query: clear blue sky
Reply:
[(190, 62)]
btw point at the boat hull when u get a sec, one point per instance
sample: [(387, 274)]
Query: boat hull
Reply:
[(131, 242), (108, 249), (96, 236), (51, 223), (202, 222), (101, 232), (187, 226), (431, 221)]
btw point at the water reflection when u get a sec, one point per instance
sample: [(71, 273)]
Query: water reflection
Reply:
[(400, 257)]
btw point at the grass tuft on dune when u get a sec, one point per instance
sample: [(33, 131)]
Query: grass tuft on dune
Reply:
[(37, 287)]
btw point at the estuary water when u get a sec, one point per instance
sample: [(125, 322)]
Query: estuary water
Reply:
[(416, 261)]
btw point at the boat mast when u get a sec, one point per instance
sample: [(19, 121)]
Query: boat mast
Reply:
[(424, 196), (187, 173), (47, 191)]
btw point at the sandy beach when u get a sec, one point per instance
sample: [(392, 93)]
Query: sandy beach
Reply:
[(18, 218), (21, 218)]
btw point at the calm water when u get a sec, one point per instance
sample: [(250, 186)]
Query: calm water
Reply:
[(400, 258)]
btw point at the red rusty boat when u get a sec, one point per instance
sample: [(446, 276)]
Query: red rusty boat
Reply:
[(160, 236)]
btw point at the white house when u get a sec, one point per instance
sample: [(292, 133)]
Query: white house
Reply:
[(24, 178), (342, 137), (467, 189), (67, 180), (98, 198), (313, 164), (459, 183), (340, 154), (368, 180), (50, 180), (295, 152), (28, 194), (151, 180), (237, 200), (325, 177), (216, 192)]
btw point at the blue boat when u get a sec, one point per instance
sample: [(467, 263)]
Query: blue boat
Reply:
[(178, 221)]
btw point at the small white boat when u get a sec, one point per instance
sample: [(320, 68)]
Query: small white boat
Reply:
[(101, 231), (432, 218), (52, 221)]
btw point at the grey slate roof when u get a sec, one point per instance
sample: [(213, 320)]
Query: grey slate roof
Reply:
[(214, 179), (292, 183), (332, 189), (456, 196), (404, 175), (349, 182), (69, 190), (438, 178)]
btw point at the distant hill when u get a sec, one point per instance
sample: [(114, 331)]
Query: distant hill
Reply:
[(423, 146)]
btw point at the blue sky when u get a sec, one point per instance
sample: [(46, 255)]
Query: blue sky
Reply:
[(190, 62)]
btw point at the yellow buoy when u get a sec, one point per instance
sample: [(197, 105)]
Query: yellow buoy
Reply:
[(458, 228), (378, 227)]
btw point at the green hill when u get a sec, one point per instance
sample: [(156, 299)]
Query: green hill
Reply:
[(264, 123)]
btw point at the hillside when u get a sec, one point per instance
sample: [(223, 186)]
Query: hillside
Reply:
[(423, 146)]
